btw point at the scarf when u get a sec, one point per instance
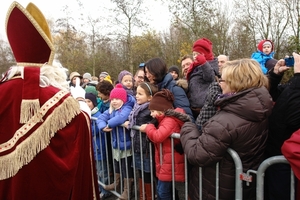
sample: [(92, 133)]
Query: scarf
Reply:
[(137, 108)]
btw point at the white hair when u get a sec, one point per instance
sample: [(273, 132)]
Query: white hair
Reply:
[(49, 75)]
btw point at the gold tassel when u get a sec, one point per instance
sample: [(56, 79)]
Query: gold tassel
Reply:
[(28, 109), (11, 163)]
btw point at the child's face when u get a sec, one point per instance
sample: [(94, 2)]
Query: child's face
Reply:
[(102, 96), (89, 103), (141, 96), (267, 49), (174, 74), (127, 81), (116, 103), (155, 113), (195, 54)]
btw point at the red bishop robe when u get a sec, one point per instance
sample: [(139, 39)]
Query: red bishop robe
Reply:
[(50, 156)]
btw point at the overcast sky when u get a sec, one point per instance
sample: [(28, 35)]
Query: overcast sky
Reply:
[(158, 14)]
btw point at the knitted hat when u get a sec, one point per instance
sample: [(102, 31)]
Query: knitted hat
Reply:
[(162, 101), (87, 76), (118, 93), (91, 89), (174, 68), (103, 74), (204, 46), (265, 42), (122, 74), (91, 97)]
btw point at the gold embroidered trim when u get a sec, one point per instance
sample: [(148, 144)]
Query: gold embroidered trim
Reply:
[(11, 163), (91, 154)]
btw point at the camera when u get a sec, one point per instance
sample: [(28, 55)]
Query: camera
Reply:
[(289, 61)]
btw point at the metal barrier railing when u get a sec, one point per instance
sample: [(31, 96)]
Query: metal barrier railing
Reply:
[(239, 175)]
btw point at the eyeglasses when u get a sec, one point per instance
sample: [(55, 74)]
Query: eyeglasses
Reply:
[(221, 80), (140, 77)]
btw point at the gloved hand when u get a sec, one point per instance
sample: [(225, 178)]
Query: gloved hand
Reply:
[(77, 91), (178, 147), (199, 60)]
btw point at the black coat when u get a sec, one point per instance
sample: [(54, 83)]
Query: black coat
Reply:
[(285, 116)]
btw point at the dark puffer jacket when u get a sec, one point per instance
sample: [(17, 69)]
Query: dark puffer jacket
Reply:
[(242, 125)]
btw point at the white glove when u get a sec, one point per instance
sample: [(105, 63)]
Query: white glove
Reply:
[(77, 91)]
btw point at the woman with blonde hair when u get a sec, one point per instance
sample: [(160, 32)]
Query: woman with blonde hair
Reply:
[(241, 123)]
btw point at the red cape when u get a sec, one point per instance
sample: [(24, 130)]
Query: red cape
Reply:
[(47, 158)]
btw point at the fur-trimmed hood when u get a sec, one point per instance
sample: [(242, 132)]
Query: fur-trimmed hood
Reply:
[(179, 114), (183, 84)]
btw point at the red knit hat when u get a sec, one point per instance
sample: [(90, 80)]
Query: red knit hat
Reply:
[(119, 93), (162, 101), (204, 46), (265, 42)]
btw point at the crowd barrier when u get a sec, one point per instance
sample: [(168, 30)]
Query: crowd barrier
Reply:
[(182, 188)]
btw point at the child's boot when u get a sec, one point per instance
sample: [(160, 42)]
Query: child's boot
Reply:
[(148, 191), (127, 189), (114, 185)]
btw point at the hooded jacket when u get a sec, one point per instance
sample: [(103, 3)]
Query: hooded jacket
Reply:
[(180, 98), (168, 124), (242, 125)]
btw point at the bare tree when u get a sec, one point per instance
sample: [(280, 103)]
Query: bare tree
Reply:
[(265, 20), (127, 15)]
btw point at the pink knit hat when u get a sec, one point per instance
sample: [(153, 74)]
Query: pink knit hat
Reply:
[(119, 93)]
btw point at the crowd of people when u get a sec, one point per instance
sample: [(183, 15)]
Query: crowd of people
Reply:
[(218, 104), (53, 150)]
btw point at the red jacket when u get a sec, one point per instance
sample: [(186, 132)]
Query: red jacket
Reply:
[(291, 151), (170, 122)]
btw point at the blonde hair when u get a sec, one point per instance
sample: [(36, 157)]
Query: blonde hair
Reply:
[(243, 74)]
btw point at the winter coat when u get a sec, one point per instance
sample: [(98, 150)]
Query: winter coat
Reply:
[(242, 125), (209, 108), (262, 58), (99, 142), (168, 123), (142, 117), (180, 98), (200, 79), (114, 120), (285, 117)]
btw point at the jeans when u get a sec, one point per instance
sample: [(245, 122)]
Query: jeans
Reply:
[(101, 166), (164, 190)]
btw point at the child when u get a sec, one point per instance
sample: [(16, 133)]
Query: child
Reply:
[(174, 71), (104, 88), (121, 105), (265, 51), (126, 79), (170, 121), (138, 116), (98, 145), (92, 89), (201, 74)]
